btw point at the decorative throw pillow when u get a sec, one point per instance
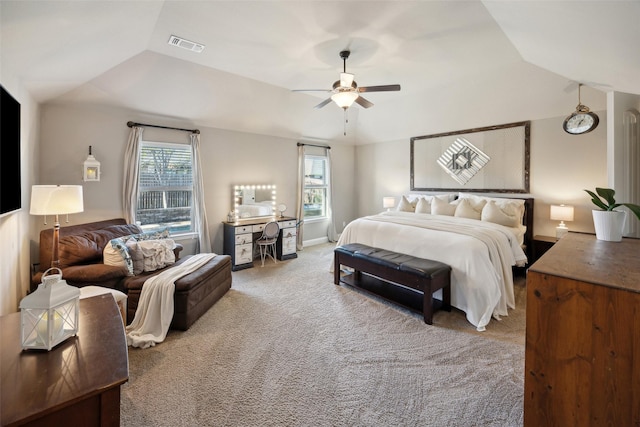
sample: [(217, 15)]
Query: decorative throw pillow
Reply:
[(136, 257), (152, 255), (466, 209), (405, 205), (116, 253), (440, 207), (506, 205), (507, 215), (423, 205), (151, 235)]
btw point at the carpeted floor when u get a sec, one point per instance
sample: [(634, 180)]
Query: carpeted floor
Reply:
[(286, 347)]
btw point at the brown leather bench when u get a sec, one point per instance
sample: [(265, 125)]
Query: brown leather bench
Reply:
[(397, 271)]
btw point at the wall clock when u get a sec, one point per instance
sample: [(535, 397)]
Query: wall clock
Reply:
[(582, 120)]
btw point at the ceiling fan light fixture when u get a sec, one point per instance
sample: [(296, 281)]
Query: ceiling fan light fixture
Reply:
[(344, 99)]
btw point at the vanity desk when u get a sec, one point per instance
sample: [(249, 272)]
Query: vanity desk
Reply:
[(240, 236)]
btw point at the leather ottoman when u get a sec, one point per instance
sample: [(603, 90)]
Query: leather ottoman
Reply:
[(195, 293)]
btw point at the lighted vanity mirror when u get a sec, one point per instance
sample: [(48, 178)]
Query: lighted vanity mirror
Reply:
[(251, 201)]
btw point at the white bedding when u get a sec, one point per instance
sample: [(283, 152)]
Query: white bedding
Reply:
[(481, 255)]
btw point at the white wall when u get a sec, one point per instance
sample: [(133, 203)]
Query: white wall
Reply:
[(228, 158), (561, 166)]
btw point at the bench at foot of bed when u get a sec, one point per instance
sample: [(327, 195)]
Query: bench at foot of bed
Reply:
[(395, 276)]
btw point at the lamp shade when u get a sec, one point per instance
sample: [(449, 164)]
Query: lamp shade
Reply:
[(388, 202), (344, 99), (56, 199), (561, 213)]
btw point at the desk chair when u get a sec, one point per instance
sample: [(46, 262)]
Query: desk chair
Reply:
[(267, 242)]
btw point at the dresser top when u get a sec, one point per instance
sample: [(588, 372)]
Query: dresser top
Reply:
[(584, 258), (258, 220)]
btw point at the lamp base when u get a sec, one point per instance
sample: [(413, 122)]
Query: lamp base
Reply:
[(561, 232)]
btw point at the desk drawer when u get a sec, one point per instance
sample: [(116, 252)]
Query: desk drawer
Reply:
[(243, 239), (289, 232), (244, 254), (289, 245), (243, 229), (287, 224), (258, 228)]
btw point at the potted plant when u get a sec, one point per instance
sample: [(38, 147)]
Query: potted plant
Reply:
[(608, 222)]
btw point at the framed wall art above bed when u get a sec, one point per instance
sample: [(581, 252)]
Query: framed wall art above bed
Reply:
[(493, 159)]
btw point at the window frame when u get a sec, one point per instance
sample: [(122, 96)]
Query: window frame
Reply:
[(325, 186), (167, 145)]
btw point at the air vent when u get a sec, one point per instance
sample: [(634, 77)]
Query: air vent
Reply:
[(186, 44)]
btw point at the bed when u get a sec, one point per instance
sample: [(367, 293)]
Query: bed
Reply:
[(481, 238)]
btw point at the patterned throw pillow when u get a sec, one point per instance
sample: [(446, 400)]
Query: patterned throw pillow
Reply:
[(117, 253)]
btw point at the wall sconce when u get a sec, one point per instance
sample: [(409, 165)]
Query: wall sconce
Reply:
[(388, 203), (91, 169), (561, 213)]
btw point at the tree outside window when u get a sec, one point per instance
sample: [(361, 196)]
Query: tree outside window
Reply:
[(165, 190), (316, 184)]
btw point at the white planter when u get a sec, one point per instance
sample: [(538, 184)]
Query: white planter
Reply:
[(609, 225)]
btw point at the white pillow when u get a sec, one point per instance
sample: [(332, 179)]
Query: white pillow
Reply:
[(405, 205), (507, 214), (440, 207), (112, 256), (423, 205), (506, 205), (466, 209)]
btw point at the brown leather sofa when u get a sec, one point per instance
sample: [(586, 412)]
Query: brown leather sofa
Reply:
[(80, 252)]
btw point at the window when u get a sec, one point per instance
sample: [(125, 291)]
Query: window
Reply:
[(165, 190), (316, 186)]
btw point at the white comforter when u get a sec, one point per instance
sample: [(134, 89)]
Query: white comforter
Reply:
[(481, 255)]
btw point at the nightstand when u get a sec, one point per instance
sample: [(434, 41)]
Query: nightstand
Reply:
[(542, 244)]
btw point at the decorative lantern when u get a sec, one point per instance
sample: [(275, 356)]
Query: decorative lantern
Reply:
[(49, 315), (91, 168)]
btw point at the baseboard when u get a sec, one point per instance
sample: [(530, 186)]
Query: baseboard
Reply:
[(313, 242)]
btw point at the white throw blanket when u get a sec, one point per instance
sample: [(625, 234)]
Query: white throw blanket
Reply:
[(155, 308)]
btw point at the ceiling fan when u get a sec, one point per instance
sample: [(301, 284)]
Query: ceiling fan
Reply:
[(346, 91)]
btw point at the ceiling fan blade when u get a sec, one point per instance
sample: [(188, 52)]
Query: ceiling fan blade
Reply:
[(310, 90), (323, 103), (383, 88), (346, 79), (363, 102)]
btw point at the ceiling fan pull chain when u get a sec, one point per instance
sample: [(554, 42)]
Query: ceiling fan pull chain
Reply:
[(346, 120)]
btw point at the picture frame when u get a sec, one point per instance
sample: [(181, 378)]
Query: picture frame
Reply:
[(492, 159)]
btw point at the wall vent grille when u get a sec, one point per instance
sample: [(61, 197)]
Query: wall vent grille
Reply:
[(186, 44)]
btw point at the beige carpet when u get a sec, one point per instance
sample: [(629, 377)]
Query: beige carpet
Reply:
[(286, 347)]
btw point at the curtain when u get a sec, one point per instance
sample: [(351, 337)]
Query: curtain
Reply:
[(300, 197), (332, 235), (130, 181), (200, 214)]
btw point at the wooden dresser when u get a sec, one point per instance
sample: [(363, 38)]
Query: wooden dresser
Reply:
[(582, 357), (77, 383)]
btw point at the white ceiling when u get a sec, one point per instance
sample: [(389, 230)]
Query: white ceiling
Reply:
[(460, 63)]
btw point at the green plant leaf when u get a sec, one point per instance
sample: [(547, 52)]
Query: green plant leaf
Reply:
[(634, 208), (607, 194), (596, 201)]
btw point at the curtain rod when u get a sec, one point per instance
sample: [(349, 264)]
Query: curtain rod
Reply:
[(132, 124), (313, 145)]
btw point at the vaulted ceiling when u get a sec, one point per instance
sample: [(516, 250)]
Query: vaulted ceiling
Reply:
[(460, 63)]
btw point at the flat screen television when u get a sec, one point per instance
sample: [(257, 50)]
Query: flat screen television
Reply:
[(10, 189)]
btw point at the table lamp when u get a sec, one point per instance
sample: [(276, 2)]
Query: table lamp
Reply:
[(56, 200), (388, 202), (561, 213)]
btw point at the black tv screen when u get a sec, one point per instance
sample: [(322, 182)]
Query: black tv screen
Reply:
[(10, 190)]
